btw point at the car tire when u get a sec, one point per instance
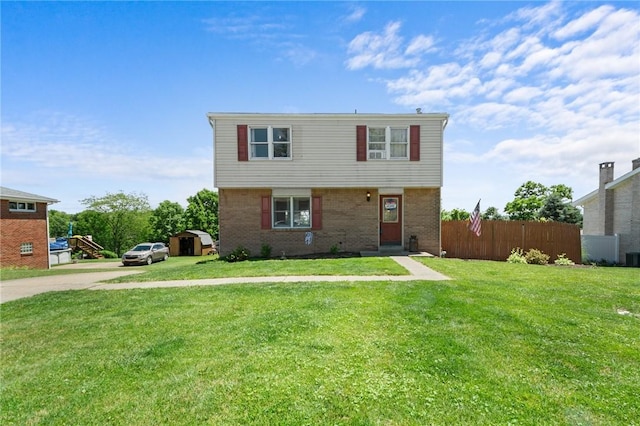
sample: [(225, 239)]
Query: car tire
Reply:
[(149, 260), (166, 256)]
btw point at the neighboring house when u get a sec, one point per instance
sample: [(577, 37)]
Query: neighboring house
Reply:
[(24, 229), (316, 183), (614, 209), (191, 243)]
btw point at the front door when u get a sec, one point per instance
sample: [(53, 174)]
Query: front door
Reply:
[(391, 220)]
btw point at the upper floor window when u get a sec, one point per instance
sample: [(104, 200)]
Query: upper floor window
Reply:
[(20, 206), (388, 143), (270, 142)]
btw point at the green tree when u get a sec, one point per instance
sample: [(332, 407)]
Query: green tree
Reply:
[(455, 214), (534, 201), (126, 217), (558, 210), (166, 220), (529, 199), (58, 223), (563, 191), (202, 212), (492, 213), (90, 222)]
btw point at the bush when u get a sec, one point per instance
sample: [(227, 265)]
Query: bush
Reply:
[(265, 251), (109, 254), (563, 261), (516, 256), (334, 249), (238, 255), (536, 257)]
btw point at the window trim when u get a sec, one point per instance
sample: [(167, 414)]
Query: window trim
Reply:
[(270, 143), (25, 208), (291, 211), (386, 153)]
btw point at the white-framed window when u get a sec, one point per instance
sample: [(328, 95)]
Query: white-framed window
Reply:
[(270, 142), (291, 212), (388, 143), (26, 248), (22, 206)]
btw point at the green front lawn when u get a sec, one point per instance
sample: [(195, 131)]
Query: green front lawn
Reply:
[(213, 268), (498, 344)]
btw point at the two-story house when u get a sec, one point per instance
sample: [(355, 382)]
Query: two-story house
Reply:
[(24, 229), (315, 183), (613, 210)]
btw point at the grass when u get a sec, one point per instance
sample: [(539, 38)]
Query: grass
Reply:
[(214, 268), (498, 344)]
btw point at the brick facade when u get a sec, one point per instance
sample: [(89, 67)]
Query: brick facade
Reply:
[(422, 218), (24, 227), (349, 222)]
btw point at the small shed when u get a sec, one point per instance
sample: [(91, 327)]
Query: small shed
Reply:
[(191, 243)]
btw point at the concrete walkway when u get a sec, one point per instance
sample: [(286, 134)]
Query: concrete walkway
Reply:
[(27, 287)]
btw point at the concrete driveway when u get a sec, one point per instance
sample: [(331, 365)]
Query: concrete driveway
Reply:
[(27, 287)]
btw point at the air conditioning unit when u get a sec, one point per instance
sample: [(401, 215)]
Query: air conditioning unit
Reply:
[(633, 259)]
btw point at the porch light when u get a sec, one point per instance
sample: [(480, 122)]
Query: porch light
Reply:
[(368, 195)]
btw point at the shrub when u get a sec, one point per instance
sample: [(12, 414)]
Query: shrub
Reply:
[(516, 256), (536, 257), (238, 255), (109, 254), (563, 261), (334, 249), (265, 251)]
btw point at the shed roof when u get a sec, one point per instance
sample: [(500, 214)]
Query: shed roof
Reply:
[(205, 238), (14, 194)]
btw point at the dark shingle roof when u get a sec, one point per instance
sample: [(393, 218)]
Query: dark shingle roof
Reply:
[(14, 194)]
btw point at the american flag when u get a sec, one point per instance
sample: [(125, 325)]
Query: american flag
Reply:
[(474, 221)]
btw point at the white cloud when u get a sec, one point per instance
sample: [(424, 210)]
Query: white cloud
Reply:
[(549, 96), (276, 34), (384, 50), (50, 140), (420, 44), (583, 23), (356, 13)]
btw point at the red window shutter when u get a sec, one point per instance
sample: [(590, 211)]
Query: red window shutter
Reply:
[(361, 143), (265, 222), (316, 213), (414, 143), (243, 143)]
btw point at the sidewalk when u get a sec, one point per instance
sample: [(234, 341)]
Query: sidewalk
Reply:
[(27, 287)]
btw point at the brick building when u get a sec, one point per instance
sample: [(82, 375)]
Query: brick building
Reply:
[(614, 209), (314, 183), (24, 229)]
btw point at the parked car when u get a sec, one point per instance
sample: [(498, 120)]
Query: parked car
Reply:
[(145, 253)]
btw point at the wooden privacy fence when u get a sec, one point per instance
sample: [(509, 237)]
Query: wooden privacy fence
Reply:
[(499, 237)]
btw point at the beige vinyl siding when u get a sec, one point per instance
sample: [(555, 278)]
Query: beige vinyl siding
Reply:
[(324, 153), (591, 224)]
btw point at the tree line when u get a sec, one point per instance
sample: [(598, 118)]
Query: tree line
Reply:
[(118, 221), (532, 201)]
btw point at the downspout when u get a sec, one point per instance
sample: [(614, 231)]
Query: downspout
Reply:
[(48, 245), (445, 121)]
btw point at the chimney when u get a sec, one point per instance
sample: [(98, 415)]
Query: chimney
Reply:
[(635, 163), (605, 198)]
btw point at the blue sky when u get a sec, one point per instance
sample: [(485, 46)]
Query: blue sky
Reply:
[(112, 96)]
